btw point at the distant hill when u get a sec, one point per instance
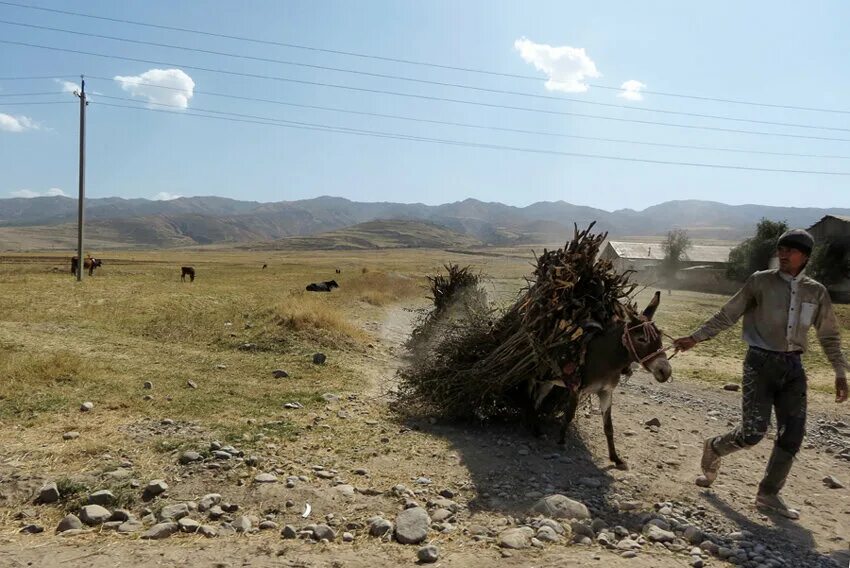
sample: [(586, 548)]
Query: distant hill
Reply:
[(390, 234), (49, 222)]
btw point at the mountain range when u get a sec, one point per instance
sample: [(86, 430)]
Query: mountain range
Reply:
[(50, 222)]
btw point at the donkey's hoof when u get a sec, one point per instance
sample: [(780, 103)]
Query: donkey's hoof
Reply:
[(621, 465)]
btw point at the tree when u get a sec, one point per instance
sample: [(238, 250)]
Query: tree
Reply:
[(675, 247), (830, 263), (754, 254)]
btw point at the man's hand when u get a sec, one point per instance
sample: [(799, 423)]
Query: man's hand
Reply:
[(840, 389), (684, 343)]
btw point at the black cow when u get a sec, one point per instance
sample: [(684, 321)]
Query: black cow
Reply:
[(322, 286), (187, 271), (88, 263)]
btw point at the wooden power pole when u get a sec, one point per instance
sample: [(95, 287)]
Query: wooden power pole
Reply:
[(80, 204)]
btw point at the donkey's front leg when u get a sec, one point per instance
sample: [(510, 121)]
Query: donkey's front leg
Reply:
[(569, 414), (608, 426)]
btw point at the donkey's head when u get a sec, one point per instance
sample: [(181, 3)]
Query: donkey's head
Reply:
[(643, 341)]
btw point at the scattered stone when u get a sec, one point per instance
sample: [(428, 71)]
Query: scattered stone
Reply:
[(733, 387), (547, 534), (242, 524), (216, 512), (208, 501), (447, 493), (86, 406), (653, 422), (694, 535), (379, 527), (657, 534), (221, 367), (130, 526), (147, 397), (324, 532), (121, 515), (49, 493), (516, 538), (289, 532), (560, 507), (70, 435), (833, 483), (208, 531), (103, 497), (94, 515), (265, 478), (411, 525), (293, 405), (280, 374), (268, 525), (330, 397), (428, 554), (189, 457), (31, 529), (160, 531), (191, 384), (174, 512), (154, 488), (148, 385), (319, 358), (247, 346), (188, 525)]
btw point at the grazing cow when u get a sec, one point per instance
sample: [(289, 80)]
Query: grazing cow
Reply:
[(89, 263), (265, 266), (187, 271), (610, 353), (338, 271), (322, 286)]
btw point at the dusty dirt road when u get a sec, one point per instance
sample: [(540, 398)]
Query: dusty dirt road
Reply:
[(356, 460)]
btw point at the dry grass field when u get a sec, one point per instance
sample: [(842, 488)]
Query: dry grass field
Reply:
[(209, 349)]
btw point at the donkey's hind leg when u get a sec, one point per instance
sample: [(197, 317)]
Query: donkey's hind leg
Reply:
[(569, 414), (605, 403)]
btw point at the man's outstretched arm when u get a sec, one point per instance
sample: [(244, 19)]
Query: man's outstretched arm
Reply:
[(723, 319)]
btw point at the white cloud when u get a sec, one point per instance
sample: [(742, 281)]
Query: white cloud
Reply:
[(165, 196), (162, 86), (567, 67), (28, 193), (19, 123), (631, 90), (68, 86)]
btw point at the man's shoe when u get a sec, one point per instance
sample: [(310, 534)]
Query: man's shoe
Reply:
[(710, 465), (775, 504)]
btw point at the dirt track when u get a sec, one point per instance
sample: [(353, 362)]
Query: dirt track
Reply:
[(497, 472)]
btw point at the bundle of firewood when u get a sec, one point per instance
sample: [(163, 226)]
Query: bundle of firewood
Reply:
[(481, 364)]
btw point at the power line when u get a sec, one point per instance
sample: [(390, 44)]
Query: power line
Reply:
[(478, 126), (407, 61), (38, 77), (426, 81), (28, 103), (421, 97), (378, 134), (42, 93)]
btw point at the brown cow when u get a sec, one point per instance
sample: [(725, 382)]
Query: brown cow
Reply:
[(187, 271), (89, 263)]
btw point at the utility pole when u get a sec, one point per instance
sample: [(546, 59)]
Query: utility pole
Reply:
[(80, 204)]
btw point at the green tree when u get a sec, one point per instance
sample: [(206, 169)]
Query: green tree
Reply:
[(830, 262), (675, 247), (755, 253)]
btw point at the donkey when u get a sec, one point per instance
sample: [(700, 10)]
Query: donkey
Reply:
[(187, 271), (611, 351), (89, 264)]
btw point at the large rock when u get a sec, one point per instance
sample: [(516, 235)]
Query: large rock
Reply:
[(94, 515), (131, 526), (209, 501), (160, 531), (69, 522), (188, 525), (49, 493), (265, 478), (411, 526), (154, 488), (324, 532), (560, 507)]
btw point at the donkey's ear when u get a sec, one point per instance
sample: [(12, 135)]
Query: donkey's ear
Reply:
[(649, 312)]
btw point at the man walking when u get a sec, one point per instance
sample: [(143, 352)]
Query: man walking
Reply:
[(779, 307)]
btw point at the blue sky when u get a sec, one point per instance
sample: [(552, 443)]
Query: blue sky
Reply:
[(774, 52)]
